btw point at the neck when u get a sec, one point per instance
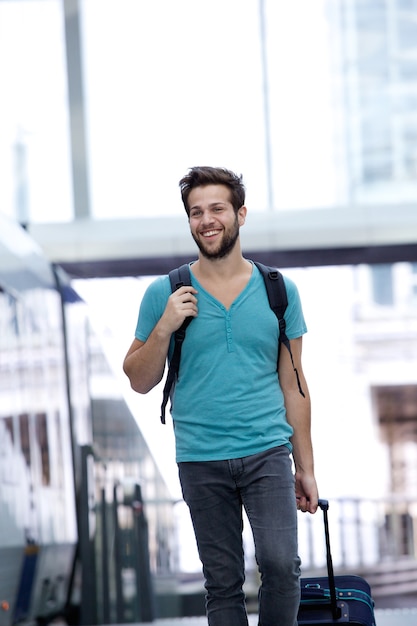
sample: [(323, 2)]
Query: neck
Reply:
[(232, 264)]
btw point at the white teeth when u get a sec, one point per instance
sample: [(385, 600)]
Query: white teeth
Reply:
[(210, 233)]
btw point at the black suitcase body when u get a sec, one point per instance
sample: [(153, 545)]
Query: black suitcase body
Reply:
[(335, 599)]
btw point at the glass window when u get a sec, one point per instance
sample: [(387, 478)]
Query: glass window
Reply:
[(169, 95), (376, 149), (413, 285), (35, 149), (407, 5), (405, 102), (410, 150), (382, 284), (406, 34), (407, 70), (163, 96)]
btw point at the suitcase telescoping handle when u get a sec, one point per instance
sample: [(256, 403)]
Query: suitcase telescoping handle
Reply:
[(324, 505)]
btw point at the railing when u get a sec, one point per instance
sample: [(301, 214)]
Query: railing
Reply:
[(363, 532), (373, 538), (376, 539)]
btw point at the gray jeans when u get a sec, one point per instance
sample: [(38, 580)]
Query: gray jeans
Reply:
[(215, 492)]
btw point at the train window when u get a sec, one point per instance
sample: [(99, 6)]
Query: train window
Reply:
[(42, 440), (24, 436), (8, 422)]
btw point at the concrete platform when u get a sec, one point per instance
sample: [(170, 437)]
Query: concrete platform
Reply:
[(383, 617)]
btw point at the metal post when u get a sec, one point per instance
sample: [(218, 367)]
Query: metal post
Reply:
[(267, 122), (105, 560), (118, 562), (142, 566), (80, 177), (86, 541)]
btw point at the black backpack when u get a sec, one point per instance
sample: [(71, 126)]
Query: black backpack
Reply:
[(277, 296)]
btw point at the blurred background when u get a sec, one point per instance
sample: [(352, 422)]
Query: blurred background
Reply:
[(104, 106)]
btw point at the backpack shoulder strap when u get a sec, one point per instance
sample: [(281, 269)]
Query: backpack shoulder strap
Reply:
[(178, 277), (278, 301), (275, 288)]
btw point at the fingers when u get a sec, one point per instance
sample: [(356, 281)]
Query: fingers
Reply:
[(185, 296), (311, 506), (181, 304), (306, 506), (302, 504), (184, 292), (307, 503)]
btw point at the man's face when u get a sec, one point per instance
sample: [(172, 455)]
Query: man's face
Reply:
[(213, 223)]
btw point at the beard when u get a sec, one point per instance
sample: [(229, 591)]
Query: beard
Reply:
[(226, 245)]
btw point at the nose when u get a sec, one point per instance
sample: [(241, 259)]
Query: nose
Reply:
[(207, 218)]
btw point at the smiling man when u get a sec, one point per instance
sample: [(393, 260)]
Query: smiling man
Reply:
[(236, 422)]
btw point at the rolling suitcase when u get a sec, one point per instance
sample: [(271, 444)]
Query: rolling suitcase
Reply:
[(335, 599)]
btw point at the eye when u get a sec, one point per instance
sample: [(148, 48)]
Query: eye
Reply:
[(195, 213)]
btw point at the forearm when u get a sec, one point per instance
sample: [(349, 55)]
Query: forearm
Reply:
[(299, 417), (144, 364), (298, 407)]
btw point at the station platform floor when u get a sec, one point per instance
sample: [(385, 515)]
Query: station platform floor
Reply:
[(383, 617)]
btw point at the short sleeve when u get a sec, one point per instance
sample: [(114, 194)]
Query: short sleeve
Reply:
[(294, 317), (152, 307)]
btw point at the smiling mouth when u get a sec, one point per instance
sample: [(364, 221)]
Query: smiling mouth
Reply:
[(210, 233)]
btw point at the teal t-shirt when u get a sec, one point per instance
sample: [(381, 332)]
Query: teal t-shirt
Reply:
[(227, 402)]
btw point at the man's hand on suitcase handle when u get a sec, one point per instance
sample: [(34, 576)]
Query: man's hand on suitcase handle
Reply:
[(305, 505), (306, 492), (323, 504)]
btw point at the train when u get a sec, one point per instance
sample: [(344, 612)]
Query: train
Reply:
[(86, 518)]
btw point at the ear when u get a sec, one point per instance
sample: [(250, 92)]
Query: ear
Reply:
[(241, 215)]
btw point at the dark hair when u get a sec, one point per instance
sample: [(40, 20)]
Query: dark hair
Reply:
[(201, 176)]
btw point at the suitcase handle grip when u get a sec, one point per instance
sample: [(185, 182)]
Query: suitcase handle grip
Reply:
[(314, 591)]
